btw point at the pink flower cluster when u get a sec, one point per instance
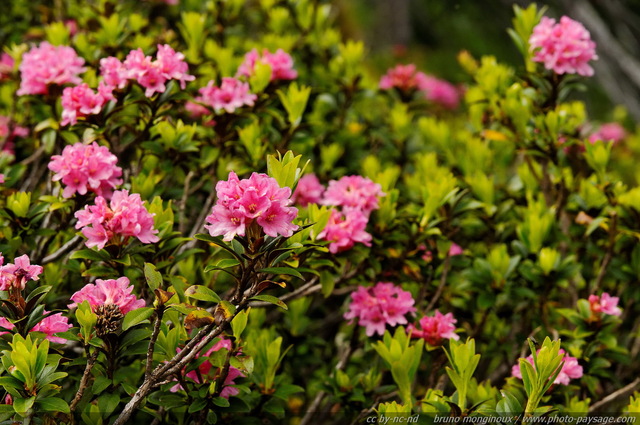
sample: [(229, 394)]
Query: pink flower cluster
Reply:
[(379, 306), (258, 199), (402, 77), (47, 64), (435, 328), (124, 216), (50, 325), (83, 168), (231, 95), (565, 47), (604, 303), (570, 369), (345, 229), (280, 62), (357, 197), (6, 66), (440, 92), (80, 101), (204, 371), (406, 79), (17, 275), (8, 132), (111, 291), (308, 191), (610, 132), (150, 74)]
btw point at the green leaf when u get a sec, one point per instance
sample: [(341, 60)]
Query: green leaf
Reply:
[(135, 317), (152, 276), (202, 293), (272, 300), (90, 254), (282, 270), (52, 404), (22, 405)]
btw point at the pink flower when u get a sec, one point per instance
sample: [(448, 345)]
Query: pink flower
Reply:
[(195, 109), (258, 199), (172, 65), (83, 168), (113, 72), (308, 191), (17, 275), (280, 62), (47, 64), (403, 77), (112, 291), (570, 369), (353, 192), (205, 371), (80, 101), (604, 303), (438, 91), (1, 178), (435, 328), (51, 325), (231, 95), (610, 132), (455, 249), (72, 26), (6, 66), (345, 230), (150, 74), (565, 48), (124, 216), (384, 304)]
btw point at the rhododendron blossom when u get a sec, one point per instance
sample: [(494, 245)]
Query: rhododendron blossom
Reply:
[(604, 303), (346, 229), (111, 291), (205, 372), (50, 325), (403, 77), (570, 369), (150, 74), (455, 249), (83, 168), (124, 216), (6, 65), (80, 101), (435, 328), (231, 95), (565, 47), (353, 192), (439, 91), (280, 62), (113, 72), (379, 306), (47, 64), (308, 191), (610, 132), (258, 199), (17, 274)]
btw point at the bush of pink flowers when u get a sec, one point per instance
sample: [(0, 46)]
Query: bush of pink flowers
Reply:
[(226, 212)]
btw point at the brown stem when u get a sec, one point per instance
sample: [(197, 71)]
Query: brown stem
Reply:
[(613, 230), (614, 395), (152, 341), (443, 281), (84, 382)]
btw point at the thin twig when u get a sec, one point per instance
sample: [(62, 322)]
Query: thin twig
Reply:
[(614, 395), (443, 281), (63, 250), (609, 255), (84, 382), (152, 341)]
